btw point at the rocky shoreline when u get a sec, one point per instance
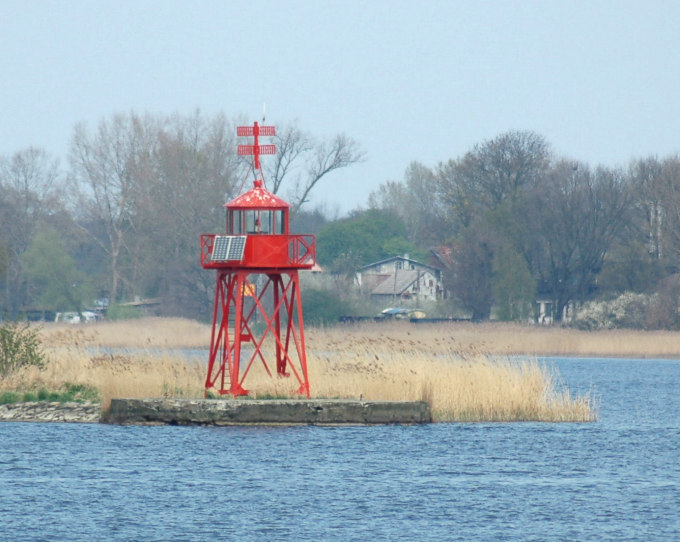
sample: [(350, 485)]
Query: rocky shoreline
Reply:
[(51, 412)]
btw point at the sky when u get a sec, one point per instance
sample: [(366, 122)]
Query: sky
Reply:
[(410, 81)]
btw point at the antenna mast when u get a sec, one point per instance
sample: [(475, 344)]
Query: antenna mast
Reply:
[(256, 149)]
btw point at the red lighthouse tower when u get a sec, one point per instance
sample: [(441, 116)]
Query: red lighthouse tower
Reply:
[(257, 263)]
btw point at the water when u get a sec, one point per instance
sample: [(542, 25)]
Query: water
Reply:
[(615, 479)]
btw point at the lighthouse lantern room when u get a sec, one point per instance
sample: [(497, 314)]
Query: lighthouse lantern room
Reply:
[(257, 262)]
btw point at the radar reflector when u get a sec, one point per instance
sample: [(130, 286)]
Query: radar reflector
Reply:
[(227, 248), (244, 150), (249, 131), (256, 150)]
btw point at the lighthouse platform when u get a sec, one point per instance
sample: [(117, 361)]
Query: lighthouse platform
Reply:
[(221, 412)]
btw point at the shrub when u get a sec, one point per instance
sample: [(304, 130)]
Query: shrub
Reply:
[(664, 311), (19, 347), (78, 393), (322, 307), (122, 312), (9, 397), (629, 310)]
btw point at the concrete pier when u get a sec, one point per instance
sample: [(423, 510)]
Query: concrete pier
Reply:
[(265, 412)]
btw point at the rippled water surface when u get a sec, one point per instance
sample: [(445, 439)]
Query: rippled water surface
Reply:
[(615, 479)]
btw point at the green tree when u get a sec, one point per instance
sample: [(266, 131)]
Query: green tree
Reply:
[(31, 197), (308, 221), (514, 289), (367, 236), (54, 281), (321, 307), (414, 201), (470, 278)]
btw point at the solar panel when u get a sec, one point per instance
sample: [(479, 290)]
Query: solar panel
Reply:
[(228, 248)]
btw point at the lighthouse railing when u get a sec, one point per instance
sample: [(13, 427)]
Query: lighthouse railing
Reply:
[(265, 251), (302, 249)]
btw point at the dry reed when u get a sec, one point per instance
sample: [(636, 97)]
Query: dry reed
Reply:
[(461, 370), (144, 374), (461, 383), (515, 339)]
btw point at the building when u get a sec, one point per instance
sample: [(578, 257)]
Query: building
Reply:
[(400, 278)]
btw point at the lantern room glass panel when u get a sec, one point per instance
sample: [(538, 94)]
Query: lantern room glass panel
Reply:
[(235, 223), (279, 222), (251, 221), (265, 222)]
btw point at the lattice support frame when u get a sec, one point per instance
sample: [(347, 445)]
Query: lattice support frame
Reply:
[(233, 327)]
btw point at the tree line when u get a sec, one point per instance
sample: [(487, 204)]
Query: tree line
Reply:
[(514, 221), (521, 223), (124, 218)]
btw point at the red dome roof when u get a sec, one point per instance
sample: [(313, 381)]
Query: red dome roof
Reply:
[(256, 198)]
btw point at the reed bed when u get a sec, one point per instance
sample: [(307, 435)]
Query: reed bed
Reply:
[(143, 374), (486, 338), (158, 333), (456, 388), (515, 339), (464, 371), (460, 383)]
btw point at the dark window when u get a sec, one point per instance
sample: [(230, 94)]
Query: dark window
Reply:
[(235, 223), (251, 221), (279, 222), (265, 222)]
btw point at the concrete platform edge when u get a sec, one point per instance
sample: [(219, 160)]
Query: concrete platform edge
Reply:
[(265, 412)]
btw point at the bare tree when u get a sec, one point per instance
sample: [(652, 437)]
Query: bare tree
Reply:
[(494, 172), (508, 164), (664, 214), (292, 145), (151, 184), (307, 160), (650, 245), (482, 195), (577, 215), (470, 277), (413, 200), (195, 171), (30, 171), (105, 165), (30, 187)]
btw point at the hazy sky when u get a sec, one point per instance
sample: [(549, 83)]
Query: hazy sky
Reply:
[(409, 80)]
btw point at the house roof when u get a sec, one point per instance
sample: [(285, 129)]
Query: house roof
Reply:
[(443, 255), (398, 283), (396, 258)]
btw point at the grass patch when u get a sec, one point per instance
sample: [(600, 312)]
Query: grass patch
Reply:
[(9, 397), (67, 393)]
